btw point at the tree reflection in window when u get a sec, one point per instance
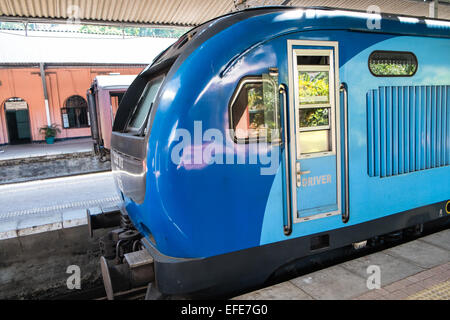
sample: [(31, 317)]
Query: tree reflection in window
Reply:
[(254, 112), (392, 63), (314, 87), (389, 68), (314, 117)]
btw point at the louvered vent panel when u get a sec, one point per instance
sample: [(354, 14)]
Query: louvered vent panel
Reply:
[(408, 129)]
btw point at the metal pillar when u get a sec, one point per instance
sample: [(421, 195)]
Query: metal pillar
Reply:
[(433, 9), (44, 86)]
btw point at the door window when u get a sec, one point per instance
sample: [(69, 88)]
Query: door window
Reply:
[(314, 104), (313, 85)]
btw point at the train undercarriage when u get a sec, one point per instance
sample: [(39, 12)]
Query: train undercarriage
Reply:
[(127, 265)]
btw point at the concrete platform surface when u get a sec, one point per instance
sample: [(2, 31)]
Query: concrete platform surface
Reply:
[(418, 269), (32, 150), (35, 266), (43, 231), (52, 204)]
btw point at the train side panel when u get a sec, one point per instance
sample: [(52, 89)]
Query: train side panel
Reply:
[(201, 209), (374, 196)]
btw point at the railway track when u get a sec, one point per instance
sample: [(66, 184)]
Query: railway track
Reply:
[(98, 292), (133, 294)]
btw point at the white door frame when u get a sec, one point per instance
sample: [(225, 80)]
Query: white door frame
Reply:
[(336, 136)]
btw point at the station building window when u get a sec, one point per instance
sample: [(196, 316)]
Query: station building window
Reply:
[(254, 111), (75, 113)]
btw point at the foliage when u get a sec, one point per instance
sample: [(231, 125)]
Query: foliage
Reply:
[(313, 84), (255, 98), (314, 117), (262, 101), (11, 26), (133, 31), (98, 29), (391, 69), (50, 131)]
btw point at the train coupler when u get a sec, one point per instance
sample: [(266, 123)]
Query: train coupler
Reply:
[(136, 271)]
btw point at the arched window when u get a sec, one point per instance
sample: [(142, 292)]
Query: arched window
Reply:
[(75, 113)]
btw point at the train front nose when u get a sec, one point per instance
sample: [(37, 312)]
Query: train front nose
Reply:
[(129, 175)]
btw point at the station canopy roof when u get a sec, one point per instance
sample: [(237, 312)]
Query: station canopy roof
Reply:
[(184, 13)]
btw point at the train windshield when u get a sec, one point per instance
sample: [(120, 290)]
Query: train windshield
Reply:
[(142, 110)]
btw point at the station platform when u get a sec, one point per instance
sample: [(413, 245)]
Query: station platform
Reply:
[(415, 270), (29, 162), (43, 230), (33, 150), (51, 204)]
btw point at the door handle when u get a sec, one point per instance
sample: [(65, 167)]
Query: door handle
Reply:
[(287, 228), (346, 213), (300, 173)]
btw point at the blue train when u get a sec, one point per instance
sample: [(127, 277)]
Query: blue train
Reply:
[(277, 133)]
